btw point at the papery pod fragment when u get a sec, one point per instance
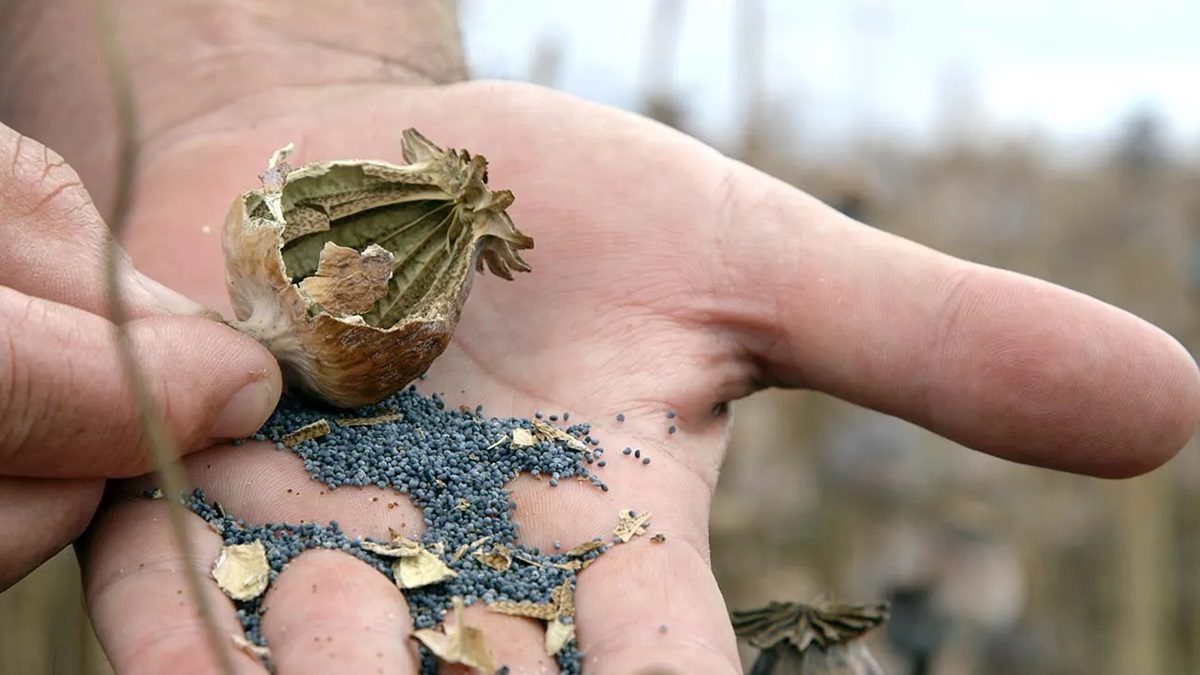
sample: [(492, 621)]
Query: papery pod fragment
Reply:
[(354, 273), (823, 638)]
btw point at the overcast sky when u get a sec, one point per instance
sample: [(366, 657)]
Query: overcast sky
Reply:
[(1069, 68)]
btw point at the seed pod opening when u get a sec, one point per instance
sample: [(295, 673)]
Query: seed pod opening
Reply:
[(354, 273)]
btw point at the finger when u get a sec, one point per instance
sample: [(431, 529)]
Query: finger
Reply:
[(138, 597), (40, 517), (58, 243), (328, 612), (1010, 365), (513, 642), (68, 411), (643, 606)]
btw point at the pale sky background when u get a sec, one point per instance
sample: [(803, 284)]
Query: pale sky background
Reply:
[(1068, 69)]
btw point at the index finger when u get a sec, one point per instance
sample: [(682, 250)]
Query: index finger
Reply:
[(57, 243), (1001, 362)]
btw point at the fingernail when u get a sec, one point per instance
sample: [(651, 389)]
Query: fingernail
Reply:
[(173, 301), (246, 410)]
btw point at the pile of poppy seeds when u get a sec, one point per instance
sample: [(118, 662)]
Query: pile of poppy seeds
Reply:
[(454, 465)]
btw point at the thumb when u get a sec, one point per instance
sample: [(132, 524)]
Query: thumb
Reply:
[(67, 405)]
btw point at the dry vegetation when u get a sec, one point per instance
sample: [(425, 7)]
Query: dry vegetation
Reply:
[(1008, 569)]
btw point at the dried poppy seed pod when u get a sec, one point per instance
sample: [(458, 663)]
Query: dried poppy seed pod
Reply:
[(354, 273), (823, 638)]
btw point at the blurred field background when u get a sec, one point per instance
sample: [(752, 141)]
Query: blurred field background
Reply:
[(1059, 139)]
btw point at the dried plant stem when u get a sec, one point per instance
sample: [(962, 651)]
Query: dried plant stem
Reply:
[(170, 472)]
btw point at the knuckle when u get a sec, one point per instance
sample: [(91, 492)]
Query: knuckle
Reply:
[(35, 181), (54, 396)]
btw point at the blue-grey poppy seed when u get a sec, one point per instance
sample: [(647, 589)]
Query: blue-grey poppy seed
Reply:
[(645, 460), (626, 451), (620, 417), (601, 463), (670, 414), (447, 463), (637, 453), (671, 429)]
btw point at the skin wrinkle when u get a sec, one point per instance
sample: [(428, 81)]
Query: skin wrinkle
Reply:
[(178, 639), (724, 230), (340, 64), (11, 391), (22, 396), (207, 125), (265, 67), (58, 407), (16, 156), (959, 283), (518, 384), (77, 220), (633, 405), (492, 373), (22, 164), (166, 562), (327, 569), (39, 518), (50, 162), (747, 327), (390, 66), (664, 560)]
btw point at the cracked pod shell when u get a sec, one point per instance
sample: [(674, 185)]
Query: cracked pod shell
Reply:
[(354, 273)]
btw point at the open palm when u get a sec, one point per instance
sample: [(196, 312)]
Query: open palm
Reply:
[(665, 277)]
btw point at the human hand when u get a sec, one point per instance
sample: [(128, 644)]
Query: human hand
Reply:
[(665, 276), (69, 420)]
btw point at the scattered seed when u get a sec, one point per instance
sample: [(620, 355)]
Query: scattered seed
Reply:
[(439, 458), (620, 417), (670, 414)]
